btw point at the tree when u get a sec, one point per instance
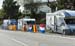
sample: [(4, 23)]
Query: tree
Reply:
[(60, 4), (66, 4), (52, 5), (2, 13), (10, 8)]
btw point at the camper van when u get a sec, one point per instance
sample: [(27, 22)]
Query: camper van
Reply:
[(62, 21)]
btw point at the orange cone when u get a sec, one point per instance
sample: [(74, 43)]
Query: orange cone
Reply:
[(14, 27), (34, 28), (24, 28)]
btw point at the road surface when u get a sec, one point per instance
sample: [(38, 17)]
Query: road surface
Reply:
[(17, 38)]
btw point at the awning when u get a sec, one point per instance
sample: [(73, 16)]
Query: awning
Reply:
[(69, 13)]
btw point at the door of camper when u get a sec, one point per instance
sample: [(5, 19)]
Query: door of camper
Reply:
[(53, 23), (60, 24)]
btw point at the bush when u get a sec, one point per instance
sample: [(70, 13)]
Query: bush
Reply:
[(0, 22), (43, 20)]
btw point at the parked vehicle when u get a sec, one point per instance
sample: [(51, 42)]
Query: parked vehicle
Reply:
[(62, 21)]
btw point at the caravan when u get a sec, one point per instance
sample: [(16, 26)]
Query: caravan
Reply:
[(62, 21)]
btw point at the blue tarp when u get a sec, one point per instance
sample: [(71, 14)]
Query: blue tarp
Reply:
[(69, 13), (13, 21)]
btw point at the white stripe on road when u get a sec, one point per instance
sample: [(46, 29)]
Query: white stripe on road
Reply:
[(67, 38), (19, 42), (64, 37), (57, 36)]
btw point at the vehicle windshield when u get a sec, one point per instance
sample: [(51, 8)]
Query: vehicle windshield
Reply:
[(70, 21)]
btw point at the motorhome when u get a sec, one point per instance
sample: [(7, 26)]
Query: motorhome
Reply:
[(62, 21)]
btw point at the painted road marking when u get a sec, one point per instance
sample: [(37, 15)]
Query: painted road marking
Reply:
[(58, 36), (64, 37), (67, 38), (19, 42)]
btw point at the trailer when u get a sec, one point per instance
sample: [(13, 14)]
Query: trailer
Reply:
[(62, 21)]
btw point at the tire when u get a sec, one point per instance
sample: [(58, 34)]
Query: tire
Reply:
[(51, 30), (66, 32)]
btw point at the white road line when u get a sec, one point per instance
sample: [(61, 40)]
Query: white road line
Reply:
[(64, 37), (19, 42), (13, 39), (67, 38)]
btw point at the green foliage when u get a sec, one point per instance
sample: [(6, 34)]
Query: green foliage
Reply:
[(2, 13), (0, 22), (60, 4), (63, 4), (60, 7), (10, 8), (43, 20)]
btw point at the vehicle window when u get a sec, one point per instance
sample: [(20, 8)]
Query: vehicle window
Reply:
[(70, 21)]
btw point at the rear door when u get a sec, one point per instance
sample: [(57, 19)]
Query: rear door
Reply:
[(60, 23), (53, 23)]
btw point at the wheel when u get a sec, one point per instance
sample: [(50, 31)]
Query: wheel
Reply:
[(51, 30), (66, 32)]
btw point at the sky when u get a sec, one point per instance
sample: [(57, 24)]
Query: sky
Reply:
[(1, 2)]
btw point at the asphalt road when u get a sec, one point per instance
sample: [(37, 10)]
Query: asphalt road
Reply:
[(17, 38)]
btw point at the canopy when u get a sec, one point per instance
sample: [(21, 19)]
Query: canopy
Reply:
[(66, 12), (29, 19), (69, 13)]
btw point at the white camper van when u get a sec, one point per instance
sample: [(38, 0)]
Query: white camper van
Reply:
[(62, 21)]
